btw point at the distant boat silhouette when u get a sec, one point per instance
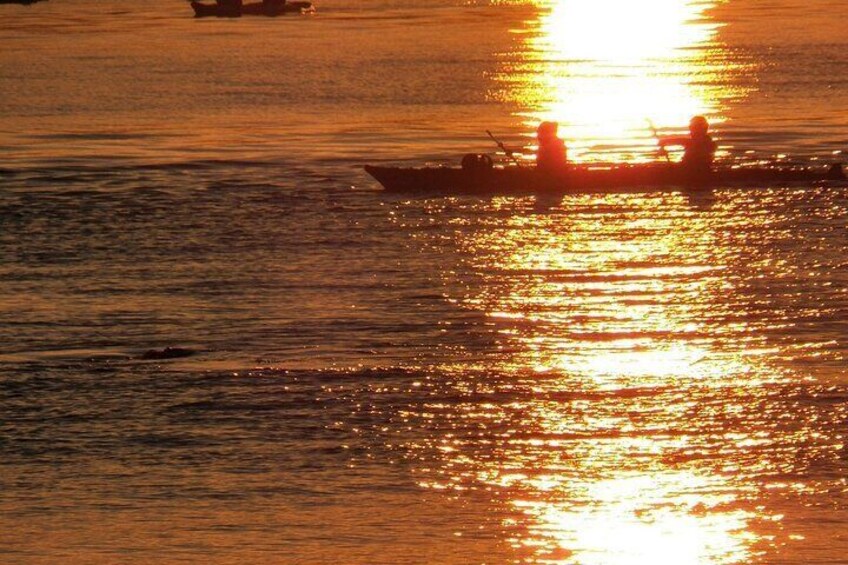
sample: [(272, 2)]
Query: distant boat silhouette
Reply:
[(268, 8)]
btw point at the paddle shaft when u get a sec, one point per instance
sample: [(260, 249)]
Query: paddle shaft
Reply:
[(503, 148), (657, 137)]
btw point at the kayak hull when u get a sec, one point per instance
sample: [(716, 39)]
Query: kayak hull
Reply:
[(255, 9), (586, 179)]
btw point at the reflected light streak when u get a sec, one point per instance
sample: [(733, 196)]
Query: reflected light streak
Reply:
[(618, 32), (626, 370), (644, 519), (604, 69)]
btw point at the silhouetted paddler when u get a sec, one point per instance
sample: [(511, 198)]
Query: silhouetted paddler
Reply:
[(698, 148), (552, 154)]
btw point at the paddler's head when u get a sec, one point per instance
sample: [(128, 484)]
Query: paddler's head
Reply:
[(698, 125), (547, 130)]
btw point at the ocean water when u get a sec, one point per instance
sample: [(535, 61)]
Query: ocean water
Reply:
[(373, 378)]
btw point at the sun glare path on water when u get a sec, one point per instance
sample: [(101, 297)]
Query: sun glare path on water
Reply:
[(610, 71), (636, 402)]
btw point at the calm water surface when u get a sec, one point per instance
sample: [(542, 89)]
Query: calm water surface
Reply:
[(654, 378)]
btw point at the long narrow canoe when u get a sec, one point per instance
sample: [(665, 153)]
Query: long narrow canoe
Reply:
[(255, 9), (590, 179)]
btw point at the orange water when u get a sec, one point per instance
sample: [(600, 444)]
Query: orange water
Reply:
[(650, 378)]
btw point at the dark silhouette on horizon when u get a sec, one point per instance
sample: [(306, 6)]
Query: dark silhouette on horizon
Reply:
[(237, 8)]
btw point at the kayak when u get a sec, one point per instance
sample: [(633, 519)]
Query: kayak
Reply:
[(255, 9), (488, 180)]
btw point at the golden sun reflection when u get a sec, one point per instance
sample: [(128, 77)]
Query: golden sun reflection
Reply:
[(639, 518), (609, 70), (618, 32), (631, 375)]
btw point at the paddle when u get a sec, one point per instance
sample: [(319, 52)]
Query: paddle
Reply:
[(662, 149), (503, 148)]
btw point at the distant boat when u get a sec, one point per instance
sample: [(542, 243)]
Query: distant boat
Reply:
[(622, 178), (272, 8)]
